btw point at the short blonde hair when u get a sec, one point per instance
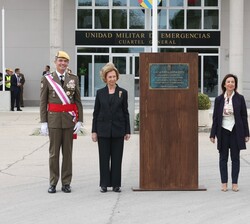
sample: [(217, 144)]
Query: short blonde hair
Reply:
[(108, 68)]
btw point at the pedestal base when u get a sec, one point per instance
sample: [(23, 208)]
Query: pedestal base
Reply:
[(201, 188)]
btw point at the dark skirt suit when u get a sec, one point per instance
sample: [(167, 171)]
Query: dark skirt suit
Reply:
[(111, 123), (235, 139)]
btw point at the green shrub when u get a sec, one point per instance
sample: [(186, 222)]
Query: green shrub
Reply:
[(204, 102), (137, 121)]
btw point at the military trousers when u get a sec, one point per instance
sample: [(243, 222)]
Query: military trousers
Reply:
[(61, 139)]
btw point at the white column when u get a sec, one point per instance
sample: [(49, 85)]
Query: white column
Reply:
[(3, 48), (56, 28), (155, 27), (236, 40), (148, 23)]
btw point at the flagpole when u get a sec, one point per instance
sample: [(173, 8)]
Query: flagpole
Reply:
[(155, 27), (3, 48)]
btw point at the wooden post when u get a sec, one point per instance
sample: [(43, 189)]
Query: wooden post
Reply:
[(168, 121)]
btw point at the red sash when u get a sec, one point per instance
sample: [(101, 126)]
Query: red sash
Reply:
[(64, 108)]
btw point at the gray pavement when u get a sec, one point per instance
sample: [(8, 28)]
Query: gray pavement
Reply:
[(24, 183)]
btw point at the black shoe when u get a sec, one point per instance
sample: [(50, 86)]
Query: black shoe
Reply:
[(66, 188), (117, 189), (52, 189), (103, 189), (19, 109), (12, 109)]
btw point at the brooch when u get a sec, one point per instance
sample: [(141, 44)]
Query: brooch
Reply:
[(120, 94)]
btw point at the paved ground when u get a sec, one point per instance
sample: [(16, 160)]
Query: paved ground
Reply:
[(24, 182)]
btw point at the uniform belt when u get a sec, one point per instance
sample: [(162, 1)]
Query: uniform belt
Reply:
[(62, 107)]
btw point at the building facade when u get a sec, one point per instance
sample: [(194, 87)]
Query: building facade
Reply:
[(95, 32)]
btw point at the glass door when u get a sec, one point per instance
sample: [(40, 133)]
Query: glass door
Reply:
[(128, 64)]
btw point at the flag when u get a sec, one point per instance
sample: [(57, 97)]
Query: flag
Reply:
[(147, 4)]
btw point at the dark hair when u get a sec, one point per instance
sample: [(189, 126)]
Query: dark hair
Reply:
[(224, 82)]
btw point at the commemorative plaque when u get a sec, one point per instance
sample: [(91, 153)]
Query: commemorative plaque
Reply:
[(168, 76)]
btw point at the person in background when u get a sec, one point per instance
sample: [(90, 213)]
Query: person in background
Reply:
[(1, 81), (47, 70), (230, 126), (22, 81), (9, 73), (61, 115), (15, 89), (110, 127)]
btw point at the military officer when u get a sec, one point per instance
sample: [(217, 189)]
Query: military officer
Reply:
[(61, 116)]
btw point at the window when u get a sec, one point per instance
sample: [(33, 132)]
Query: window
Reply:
[(101, 2), (84, 2), (128, 14), (119, 19), (194, 2), (83, 73), (84, 19), (211, 19), (210, 74), (136, 19), (193, 19), (102, 19), (162, 19), (211, 2), (176, 3), (119, 2), (176, 19), (173, 15)]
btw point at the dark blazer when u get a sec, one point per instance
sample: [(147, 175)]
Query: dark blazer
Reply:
[(111, 119), (22, 78), (14, 87), (240, 116), (48, 95)]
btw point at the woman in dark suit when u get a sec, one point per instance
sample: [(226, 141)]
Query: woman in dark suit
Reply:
[(230, 126), (110, 127)]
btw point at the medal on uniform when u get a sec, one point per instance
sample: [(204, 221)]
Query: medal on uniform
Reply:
[(71, 84)]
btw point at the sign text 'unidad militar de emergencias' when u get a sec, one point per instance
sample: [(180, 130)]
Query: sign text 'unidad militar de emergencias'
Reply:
[(144, 38)]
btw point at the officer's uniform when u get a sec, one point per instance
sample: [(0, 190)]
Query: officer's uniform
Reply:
[(60, 124)]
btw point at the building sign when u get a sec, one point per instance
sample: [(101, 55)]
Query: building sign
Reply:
[(168, 76), (144, 38)]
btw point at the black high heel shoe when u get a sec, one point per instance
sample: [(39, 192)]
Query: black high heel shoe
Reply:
[(117, 189), (103, 189)]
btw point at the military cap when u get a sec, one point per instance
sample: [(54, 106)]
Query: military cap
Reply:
[(62, 54)]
